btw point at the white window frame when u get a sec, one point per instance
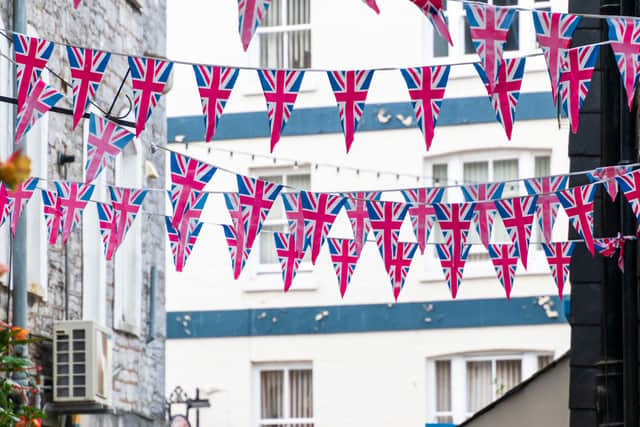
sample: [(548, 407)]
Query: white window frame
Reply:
[(286, 367)]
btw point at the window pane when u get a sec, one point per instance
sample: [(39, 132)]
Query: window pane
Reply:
[(271, 50), (445, 419), (476, 172), (543, 166), (299, 49), (508, 375), (298, 12), (443, 386), (300, 182), (544, 361), (271, 394), (274, 15), (505, 170), (301, 393), (479, 385), (268, 253), (440, 177)]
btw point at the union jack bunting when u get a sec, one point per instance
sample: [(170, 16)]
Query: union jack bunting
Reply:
[(182, 241), (281, 89), (426, 88), (250, 15), (320, 211), (72, 197), (489, 27), (504, 257), (385, 218), (506, 91), (32, 56), (421, 211), (607, 176), (18, 200), (373, 5), (105, 141), (126, 203), (289, 257), (344, 256), (554, 32), (402, 254), (256, 199), (52, 215), (187, 175), (107, 223), (517, 216), (453, 257), (149, 78), (434, 10), (547, 204), (76, 3), (356, 208), (295, 219), (630, 186), (607, 247), (575, 80), (215, 85), (237, 249), (350, 89), (87, 69), (4, 204), (485, 209), (559, 259), (578, 204), (454, 221), (40, 100), (624, 38)]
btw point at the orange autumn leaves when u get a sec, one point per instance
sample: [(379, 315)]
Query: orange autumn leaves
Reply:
[(15, 170)]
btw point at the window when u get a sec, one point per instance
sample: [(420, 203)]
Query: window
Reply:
[(285, 396), (440, 177), (444, 413), (284, 37), (542, 166)]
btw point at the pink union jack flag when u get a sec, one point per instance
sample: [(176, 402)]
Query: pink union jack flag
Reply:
[(489, 28), (575, 80), (320, 211), (421, 211), (559, 259), (187, 175), (4, 204), (350, 89), (72, 198), (281, 89), (373, 5), (453, 257), (126, 203), (105, 141), (87, 69), (578, 204), (517, 216), (434, 10), (547, 204), (295, 219), (608, 246), (385, 218), (630, 185), (237, 249), (76, 3), (108, 224), (426, 88), (554, 32), (40, 100), (356, 208), (607, 176), (506, 91), (52, 215), (289, 257), (344, 255), (250, 15), (32, 56), (402, 254), (485, 210), (624, 37), (18, 200), (215, 85), (504, 257), (149, 78), (182, 241), (454, 221), (256, 200)]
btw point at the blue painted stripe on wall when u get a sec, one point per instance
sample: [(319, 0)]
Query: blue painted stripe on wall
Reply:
[(361, 318), (312, 121)]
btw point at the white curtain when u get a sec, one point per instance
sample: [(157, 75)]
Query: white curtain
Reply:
[(271, 394), (508, 375), (543, 166), (301, 394), (476, 172), (479, 385)]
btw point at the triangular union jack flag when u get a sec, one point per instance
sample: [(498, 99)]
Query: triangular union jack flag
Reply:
[(295, 219), (559, 259), (624, 39), (548, 204), (250, 15), (504, 257), (630, 186), (215, 85), (281, 89), (126, 203), (426, 88), (289, 257), (4, 204), (489, 27), (18, 200), (385, 218), (344, 255), (320, 211), (52, 215), (454, 221), (373, 5), (485, 209), (506, 91), (87, 69), (421, 211), (453, 257), (434, 10), (554, 32), (575, 80), (578, 204), (517, 216), (356, 208), (235, 234), (149, 78), (402, 254), (32, 56), (107, 223), (607, 177), (256, 200), (72, 197), (105, 141), (76, 3), (182, 241), (608, 246), (187, 175), (350, 89), (40, 100)]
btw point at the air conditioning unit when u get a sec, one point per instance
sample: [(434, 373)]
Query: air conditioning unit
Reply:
[(81, 363)]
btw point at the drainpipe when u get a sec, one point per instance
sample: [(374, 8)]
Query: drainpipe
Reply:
[(153, 290)]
